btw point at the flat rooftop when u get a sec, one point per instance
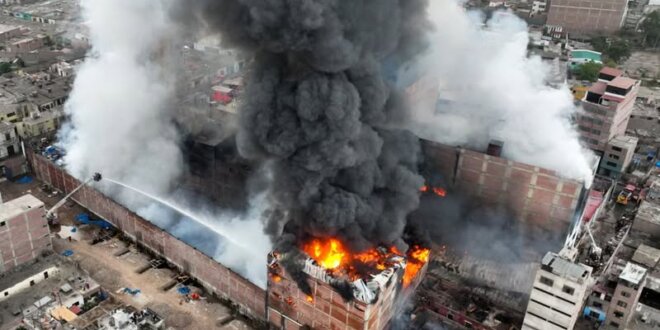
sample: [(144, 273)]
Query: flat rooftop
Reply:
[(622, 82), (5, 126), (4, 28), (624, 140), (559, 266), (18, 206), (611, 71), (647, 256), (633, 273), (598, 88), (649, 212)]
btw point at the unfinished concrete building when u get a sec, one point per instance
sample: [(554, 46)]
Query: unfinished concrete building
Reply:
[(618, 155), (560, 287), (24, 232)]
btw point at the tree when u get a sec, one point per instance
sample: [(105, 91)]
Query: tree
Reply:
[(651, 28), (5, 67), (588, 71), (610, 63), (600, 44), (619, 50)]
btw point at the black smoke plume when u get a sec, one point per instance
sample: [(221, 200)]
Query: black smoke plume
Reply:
[(317, 107)]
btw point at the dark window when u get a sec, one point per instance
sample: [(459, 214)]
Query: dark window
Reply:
[(45, 274), (468, 325), (597, 304), (614, 156), (6, 293), (618, 314), (614, 324), (611, 164), (11, 114), (621, 304), (7, 136), (625, 294), (32, 283), (2, 223), (568, 289), (449, 316), (617, 149), (595, 131), (608, 298), (546, 281)]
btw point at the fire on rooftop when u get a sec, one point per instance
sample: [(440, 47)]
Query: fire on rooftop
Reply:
[(354, 290)]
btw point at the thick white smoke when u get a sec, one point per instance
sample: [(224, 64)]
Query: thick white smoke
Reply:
[(235, 239), (121, 125), (495, 91)]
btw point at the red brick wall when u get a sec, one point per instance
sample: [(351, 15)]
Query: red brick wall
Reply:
[(23, 238), (327, 309), (224, 282), (536, 195)]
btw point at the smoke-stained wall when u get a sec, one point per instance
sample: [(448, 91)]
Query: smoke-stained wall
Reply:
[(217, 172), (535, 195)]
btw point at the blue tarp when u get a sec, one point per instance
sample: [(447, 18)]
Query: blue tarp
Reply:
[(591, 312), (24, 180), (84, 219), (67, 253), (183, 290), (132, 291)]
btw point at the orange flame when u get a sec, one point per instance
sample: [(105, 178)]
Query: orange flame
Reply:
[(329, 254), (440, 192), (417, 258), (310, 299), (276, 278)]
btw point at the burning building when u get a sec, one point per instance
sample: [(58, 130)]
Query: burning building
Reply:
[(338, 289)]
